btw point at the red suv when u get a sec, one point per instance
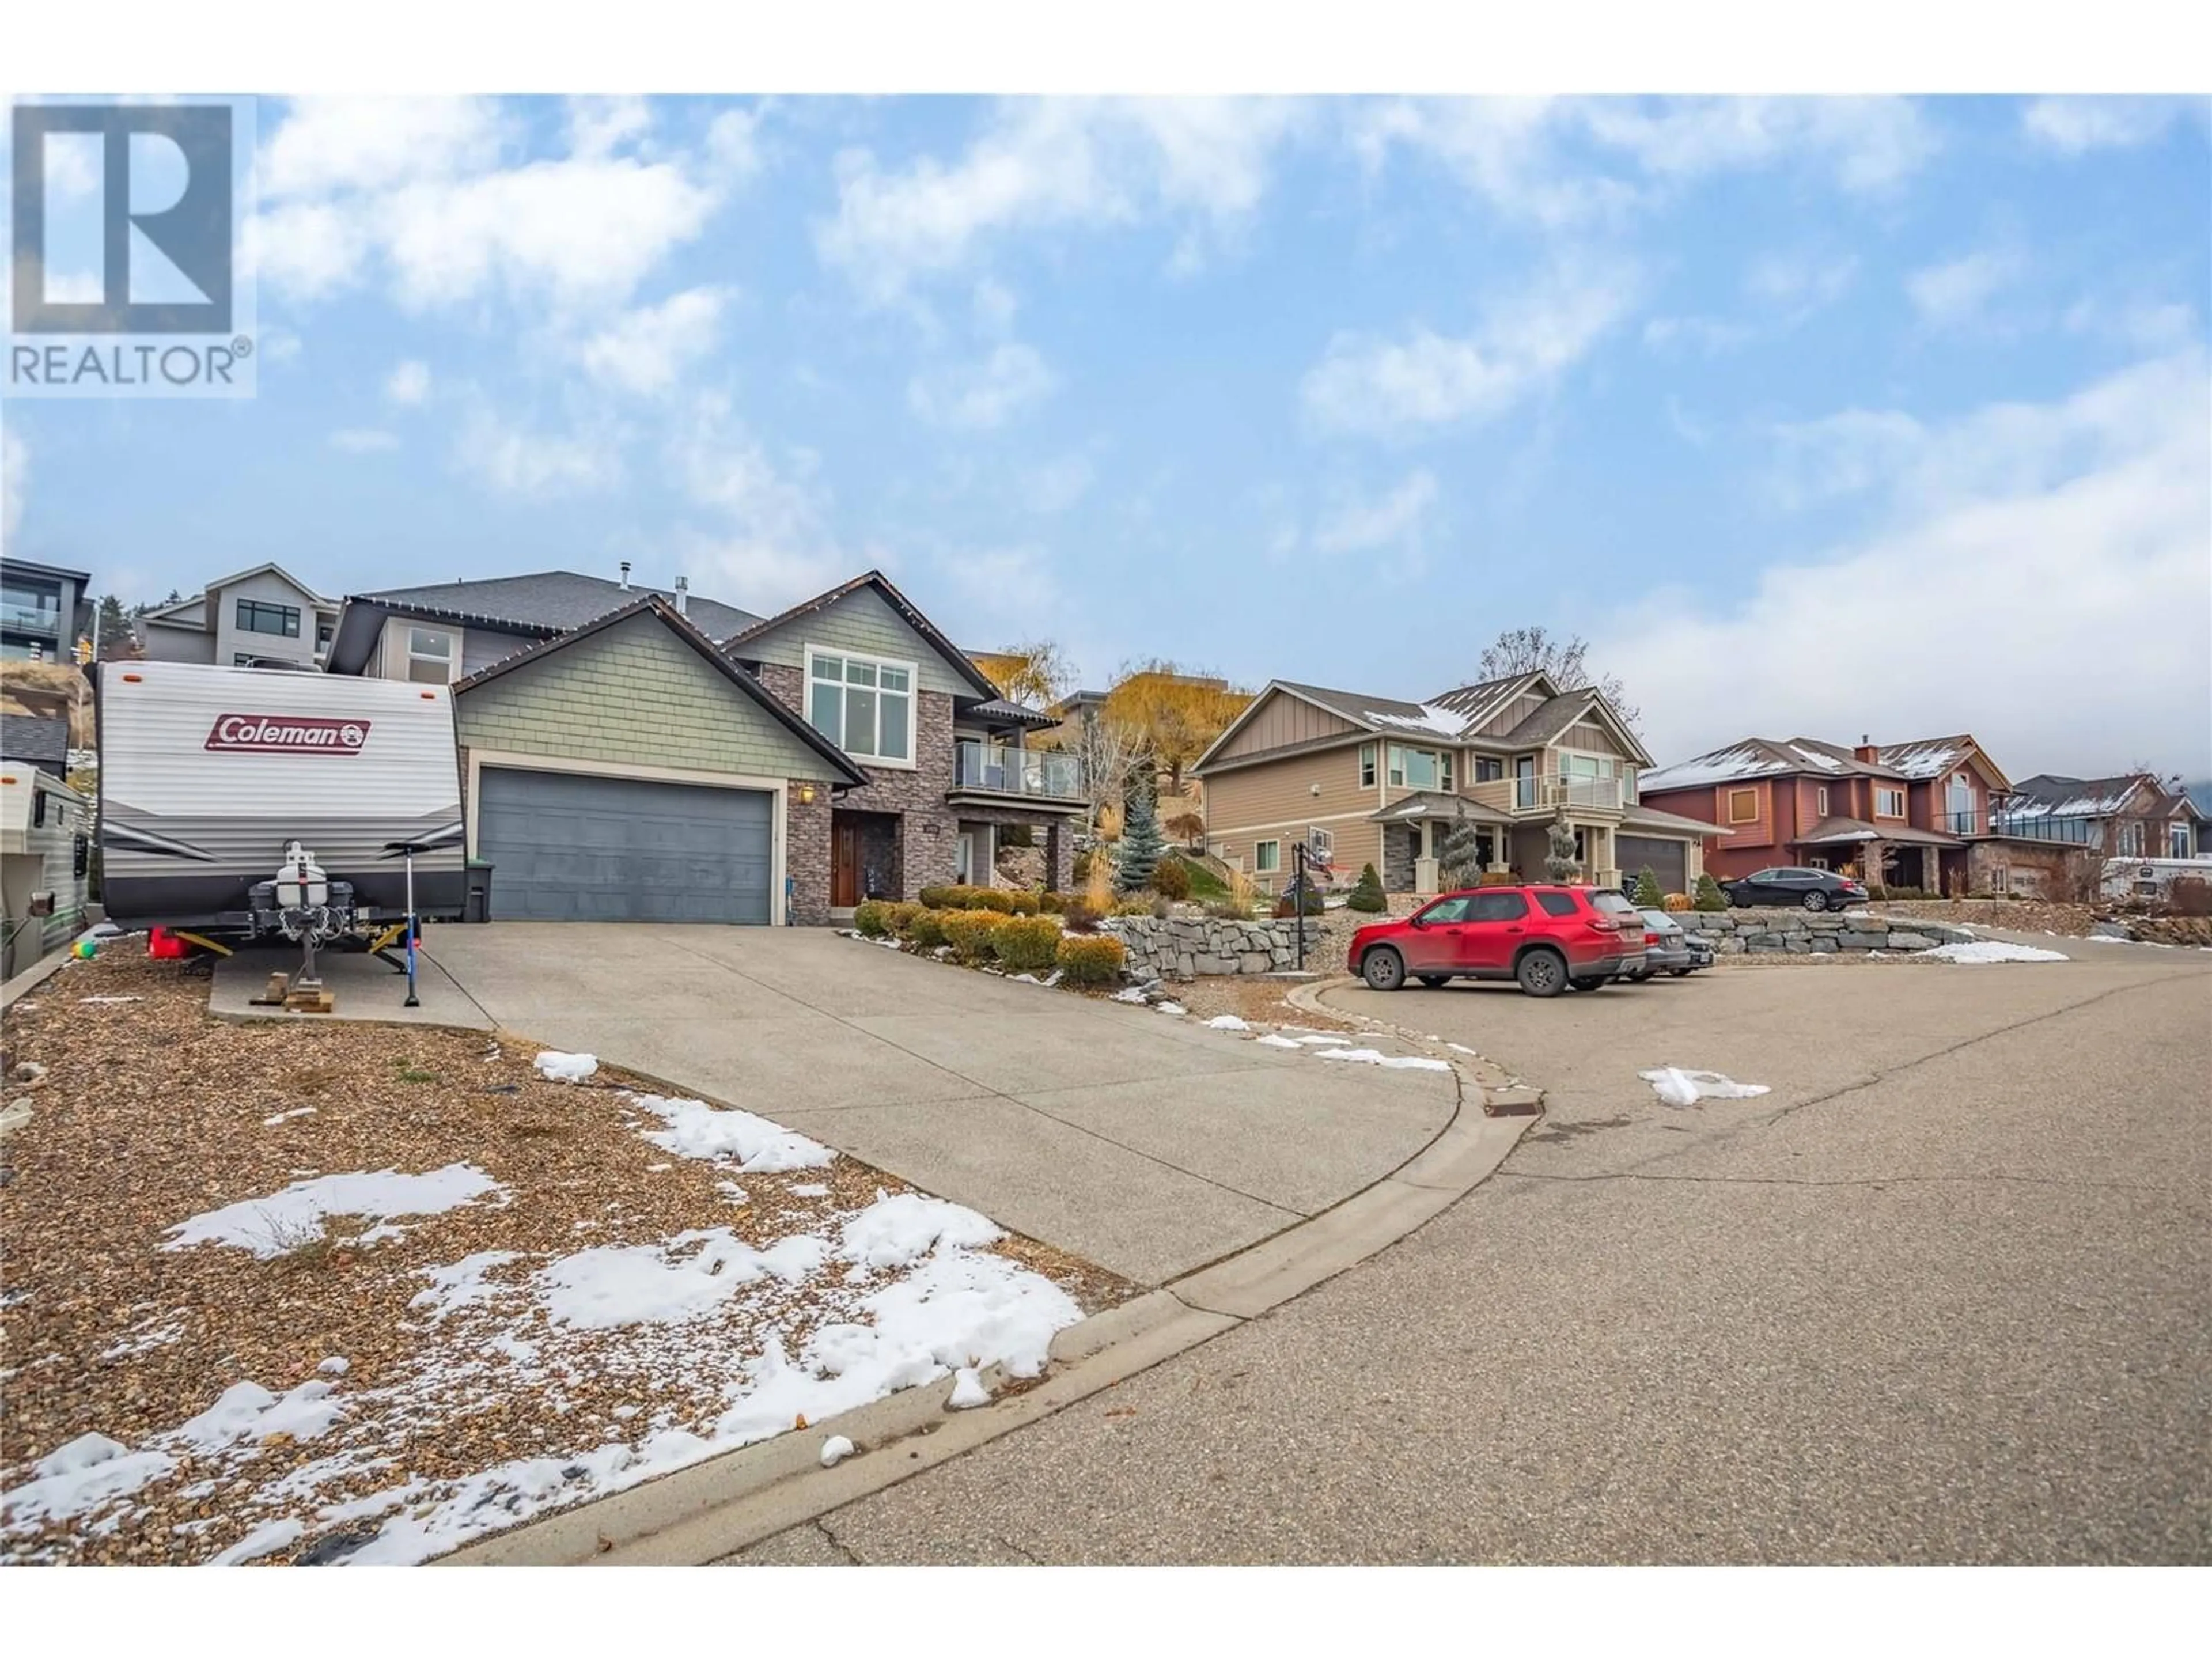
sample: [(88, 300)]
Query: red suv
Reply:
[(1546, 938)]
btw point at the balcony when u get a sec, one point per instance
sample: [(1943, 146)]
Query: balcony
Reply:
[(998, 769), (28, 619), (1546, 794)]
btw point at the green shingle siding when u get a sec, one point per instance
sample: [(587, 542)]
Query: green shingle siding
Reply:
[(862, 621), (633, 694)]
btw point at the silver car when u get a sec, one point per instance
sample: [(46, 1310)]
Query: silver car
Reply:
[(1668, 949)]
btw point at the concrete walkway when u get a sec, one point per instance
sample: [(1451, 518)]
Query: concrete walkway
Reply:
[(1145, 1143)]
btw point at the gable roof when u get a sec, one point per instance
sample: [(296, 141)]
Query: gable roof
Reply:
[(1476, 704), (653, 604), (550, 599), (1763, 758), (953, 655), (2050, 795), (1927, 757)]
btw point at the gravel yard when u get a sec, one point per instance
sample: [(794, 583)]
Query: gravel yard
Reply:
[(307, 1292)]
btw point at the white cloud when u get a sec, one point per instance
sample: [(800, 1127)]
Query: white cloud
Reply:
[(647, 350), (1562, 161), (2078, 123), (600, 126), (362, 441), (517, 460), (1057, 485), (429, 195), (1369, 525), (14, 483), (2041, 578), (1958, 291), (1055, 163), (1362, 384), (2147, 324), (772, 543), (979, 396), (1785, 289), (1009, 589), (409, 382)]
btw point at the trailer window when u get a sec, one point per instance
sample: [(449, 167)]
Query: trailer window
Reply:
[(429, 656)]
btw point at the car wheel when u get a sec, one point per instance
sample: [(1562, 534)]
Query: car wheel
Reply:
[(1677, 973), (1432, 980), (1542, 973), (1383, 970), (1816, 901), (1590, 981)]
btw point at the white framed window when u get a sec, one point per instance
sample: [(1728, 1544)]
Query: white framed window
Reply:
[(2000, 879), (1266, 857), (1888, 803), (2177, 841), (865, 705), (1420, 769), (429, 656), (1321, 843), (1366, 766), (2131, 839)]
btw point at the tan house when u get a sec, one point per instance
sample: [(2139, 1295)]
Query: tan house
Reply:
[(1371, 779)]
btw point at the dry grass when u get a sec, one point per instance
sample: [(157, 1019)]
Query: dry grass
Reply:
[(152, 1111)]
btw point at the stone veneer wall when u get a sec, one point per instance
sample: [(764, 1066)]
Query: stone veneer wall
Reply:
[(1183, 947), (1801, 932)]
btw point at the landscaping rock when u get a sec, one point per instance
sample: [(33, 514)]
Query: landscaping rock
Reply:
[(1911, 942)]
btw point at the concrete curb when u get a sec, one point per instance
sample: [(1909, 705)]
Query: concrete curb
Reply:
[(1499, 1093), (36, 975), (725, 1504)]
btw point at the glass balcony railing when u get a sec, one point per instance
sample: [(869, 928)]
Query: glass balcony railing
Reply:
[(31, 620), (1006, 770)]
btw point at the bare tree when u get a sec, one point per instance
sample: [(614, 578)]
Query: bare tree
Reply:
[(1108, 751), (1531, 650)]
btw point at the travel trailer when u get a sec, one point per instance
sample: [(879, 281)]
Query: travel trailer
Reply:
[(248, 802), (45, 845)]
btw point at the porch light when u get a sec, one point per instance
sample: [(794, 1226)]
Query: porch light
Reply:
[(806, 794)]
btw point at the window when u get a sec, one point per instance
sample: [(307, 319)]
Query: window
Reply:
[(2000, 879), (1821, 800), (1420, 769), (1321, 844), (1498, 907), (1488, 768), (1366, 766), (2131, 839), (429, 656), (1267, 856), (2177, 841), (1628, 785), (255, 617), (1889, 803), (323, 630), (1609, 904), (1557, 904), (1451, 909), (865, 705), (1742, 806)]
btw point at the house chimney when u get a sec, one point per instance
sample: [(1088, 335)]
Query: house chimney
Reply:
[(625, 575), (1866, 752), (682, 596)]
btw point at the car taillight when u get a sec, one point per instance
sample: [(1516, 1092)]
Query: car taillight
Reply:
[(1605, 924)]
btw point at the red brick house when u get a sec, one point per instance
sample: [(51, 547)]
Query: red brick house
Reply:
[(1901, 815)]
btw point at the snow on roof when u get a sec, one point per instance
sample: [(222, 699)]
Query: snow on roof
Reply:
[(2095, 806), (1436, 721), (1743, 760), (1926, 756), (1815, 758)]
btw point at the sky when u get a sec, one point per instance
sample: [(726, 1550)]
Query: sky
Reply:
[(1817, 418)]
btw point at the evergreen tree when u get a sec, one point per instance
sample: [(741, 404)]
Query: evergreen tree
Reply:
[(1367, 894), (1141, 844), (1647, 891), (1561, 864), (1459, 859), (1709, 897)]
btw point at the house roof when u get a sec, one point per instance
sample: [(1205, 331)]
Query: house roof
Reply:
[(35, 737), (1927, 757), (1476, 703), (32, 566), (1763, 758), (1018, 713), (899, 602), (262, 569), (2048, 795), (1638, 817), (1837, 831), (654, 605), (1434, 804)]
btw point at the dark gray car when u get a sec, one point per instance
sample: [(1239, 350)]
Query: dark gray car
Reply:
[(1668, 949)]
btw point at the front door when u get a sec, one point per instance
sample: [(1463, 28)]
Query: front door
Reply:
[(844, 866)]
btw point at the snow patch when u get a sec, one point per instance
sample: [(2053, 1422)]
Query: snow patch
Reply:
[(565, 1068), (967, 1390), (679, 1278), (1271, 1040), (1992, 950), (284, 1117), (898, 1231), (756, 1145), (835, 1450), (264, 1540), (1678, 1087), (282, 1222), (1228, 1023), (1395, 1062), (1169, 1008), (73, 1479)]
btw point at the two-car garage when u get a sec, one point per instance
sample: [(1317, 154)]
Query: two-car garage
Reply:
[(567, 847)]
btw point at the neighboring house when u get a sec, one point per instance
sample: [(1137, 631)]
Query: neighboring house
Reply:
[(444, 631), (1371, 779), (39, 741), (948, 761), (619, 763), (42, 607), (2129, 816), (262, 617)]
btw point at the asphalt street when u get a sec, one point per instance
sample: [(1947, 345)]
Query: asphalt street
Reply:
[(1940, 1296)]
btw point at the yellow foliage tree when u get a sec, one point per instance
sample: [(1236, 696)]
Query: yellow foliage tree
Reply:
[(1173, 712), (1035, 673)]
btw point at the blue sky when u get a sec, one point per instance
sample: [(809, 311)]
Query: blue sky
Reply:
[(1821, 417)]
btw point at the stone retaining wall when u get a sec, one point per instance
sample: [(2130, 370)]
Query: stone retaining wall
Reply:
[(1803, 932), (1184, 947)]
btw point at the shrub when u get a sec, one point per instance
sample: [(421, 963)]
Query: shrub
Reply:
[(991, 899), (1172, 879), (871, 918), (939, 897), (1242, 894), (928, 928), (1023, 904), (1709, 897), (973, 935), (1052, 904), (1133, 907), (1497, 878), (1647, 893), (1676, 901), (1367, 893), (900, 917), (1029, 944), (1229, 910), (1090, 960), (2189, 896), (1287, 903), (1078, 867), (1077, 917)]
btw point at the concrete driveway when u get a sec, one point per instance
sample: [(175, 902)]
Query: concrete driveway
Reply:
[(1145, 1143)]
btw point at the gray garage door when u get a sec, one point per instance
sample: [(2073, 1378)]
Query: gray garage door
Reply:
[(566, 847), (1669, 861)]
